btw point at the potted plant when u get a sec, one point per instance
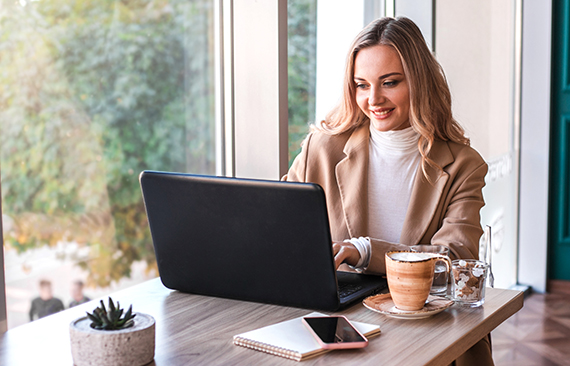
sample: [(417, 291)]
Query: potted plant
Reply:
[(109, 337)]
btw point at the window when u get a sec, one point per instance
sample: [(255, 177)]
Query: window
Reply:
[(302, 70), (320, 34), (91, 94)]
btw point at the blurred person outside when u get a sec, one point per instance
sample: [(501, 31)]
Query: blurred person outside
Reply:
[(45, 304), (77, 295)]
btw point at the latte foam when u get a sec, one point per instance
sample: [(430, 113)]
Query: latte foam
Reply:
[(412, 256)]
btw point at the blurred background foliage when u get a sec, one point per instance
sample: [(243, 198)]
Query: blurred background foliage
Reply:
[(92, 92), (302, 68)]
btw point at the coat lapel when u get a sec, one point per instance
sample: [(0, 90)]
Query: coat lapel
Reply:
[(352, 180), (425, 196)]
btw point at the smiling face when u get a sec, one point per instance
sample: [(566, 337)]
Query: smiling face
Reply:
[(382, 91)]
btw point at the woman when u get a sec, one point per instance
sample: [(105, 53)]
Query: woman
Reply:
[(396, 167)]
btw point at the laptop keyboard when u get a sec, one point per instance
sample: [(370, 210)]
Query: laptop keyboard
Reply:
[(347, 289)]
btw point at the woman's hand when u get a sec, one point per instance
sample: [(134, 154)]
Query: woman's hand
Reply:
[(345, 253)]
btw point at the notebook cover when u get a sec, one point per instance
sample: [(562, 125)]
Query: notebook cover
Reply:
[(291, 339)]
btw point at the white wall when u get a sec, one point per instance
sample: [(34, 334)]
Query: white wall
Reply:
[(535, 144), (475, 45)]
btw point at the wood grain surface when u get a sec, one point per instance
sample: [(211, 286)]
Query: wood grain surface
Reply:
[(198, 330)]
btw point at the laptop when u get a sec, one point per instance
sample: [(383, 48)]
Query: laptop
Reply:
[(245, 239)]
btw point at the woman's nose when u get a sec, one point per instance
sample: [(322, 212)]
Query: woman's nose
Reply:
[(376, 98)]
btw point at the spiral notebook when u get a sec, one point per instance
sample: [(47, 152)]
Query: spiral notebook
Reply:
[(291, 339)]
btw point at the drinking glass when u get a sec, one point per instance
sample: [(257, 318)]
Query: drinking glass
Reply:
[(468, 281), (439, 285)]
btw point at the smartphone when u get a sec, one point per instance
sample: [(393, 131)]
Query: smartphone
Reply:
[(335, 332)]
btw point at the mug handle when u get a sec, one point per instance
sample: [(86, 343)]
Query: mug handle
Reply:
[(444, 259)]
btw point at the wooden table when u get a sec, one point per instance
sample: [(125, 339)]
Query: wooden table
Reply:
[(198, 330)]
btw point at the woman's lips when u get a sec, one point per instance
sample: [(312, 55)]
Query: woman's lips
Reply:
[(382, 113)]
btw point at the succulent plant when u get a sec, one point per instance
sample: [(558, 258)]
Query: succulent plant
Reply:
[(111, 319)]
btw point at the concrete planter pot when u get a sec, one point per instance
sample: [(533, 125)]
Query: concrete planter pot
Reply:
[(132, 346)]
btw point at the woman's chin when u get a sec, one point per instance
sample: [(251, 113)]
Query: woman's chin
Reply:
[(385, 126)]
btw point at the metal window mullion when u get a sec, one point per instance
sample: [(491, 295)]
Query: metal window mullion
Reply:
[(516, 118), (390, 8), (260, 88), (422, 13), (224, 81)]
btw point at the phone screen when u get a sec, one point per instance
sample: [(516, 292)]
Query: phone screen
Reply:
[(332, 329)]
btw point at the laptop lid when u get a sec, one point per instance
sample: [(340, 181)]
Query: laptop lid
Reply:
[(253, 240)]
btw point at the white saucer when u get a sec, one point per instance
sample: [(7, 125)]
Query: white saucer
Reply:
[(383, 304)]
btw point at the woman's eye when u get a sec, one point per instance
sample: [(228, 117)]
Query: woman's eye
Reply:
[(360, 86), (390, 83)]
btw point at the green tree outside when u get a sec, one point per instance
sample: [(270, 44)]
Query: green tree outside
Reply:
[(94, 92), (302, 68)]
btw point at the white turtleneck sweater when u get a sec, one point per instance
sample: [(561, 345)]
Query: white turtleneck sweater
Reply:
[(394, 159)]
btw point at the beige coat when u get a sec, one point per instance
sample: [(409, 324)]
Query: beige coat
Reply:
[(445, 213)]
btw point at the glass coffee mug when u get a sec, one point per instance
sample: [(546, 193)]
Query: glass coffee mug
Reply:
[(439, 284), (410, 276), (469, 277)]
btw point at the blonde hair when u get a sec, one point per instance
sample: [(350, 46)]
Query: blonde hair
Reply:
[(430, 98)]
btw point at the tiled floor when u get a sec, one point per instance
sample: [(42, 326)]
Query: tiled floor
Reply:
[(539, 334)]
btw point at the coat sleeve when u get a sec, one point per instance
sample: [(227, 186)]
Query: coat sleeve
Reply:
[(460, 229)]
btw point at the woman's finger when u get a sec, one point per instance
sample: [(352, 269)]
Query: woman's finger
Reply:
[(345, 252), (339, 257), (336, 248)]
